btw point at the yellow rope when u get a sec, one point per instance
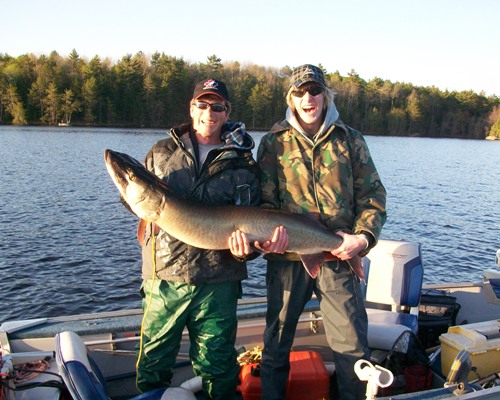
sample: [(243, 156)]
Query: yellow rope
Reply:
[(153, 250), (250, 356)]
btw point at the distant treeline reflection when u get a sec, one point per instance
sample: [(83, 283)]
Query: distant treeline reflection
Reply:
[(153, 92)]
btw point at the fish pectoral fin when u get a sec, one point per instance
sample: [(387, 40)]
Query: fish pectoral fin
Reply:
[(356, 264), (312, 263), (127, 206)]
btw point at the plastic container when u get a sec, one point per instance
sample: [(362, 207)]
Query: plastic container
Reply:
[(417, 377), (481, 340), (308, 378)]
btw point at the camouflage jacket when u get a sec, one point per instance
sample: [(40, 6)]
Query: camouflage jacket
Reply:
[(229, 175), (333, 176)]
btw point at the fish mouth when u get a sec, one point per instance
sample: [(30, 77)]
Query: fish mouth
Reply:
[(111, 159), (107, 155), (125, 170), (132, 178), (116, 168)]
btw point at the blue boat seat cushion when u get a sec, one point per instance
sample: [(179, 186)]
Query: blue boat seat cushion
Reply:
[(492, 277), (83, 381), (394, 275), (81, 374), (387, 318), (383, 336)]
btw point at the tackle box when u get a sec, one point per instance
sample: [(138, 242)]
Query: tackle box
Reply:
[(308, 378), (481, 340)]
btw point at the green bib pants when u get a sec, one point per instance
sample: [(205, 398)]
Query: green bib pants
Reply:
[(208, 312)]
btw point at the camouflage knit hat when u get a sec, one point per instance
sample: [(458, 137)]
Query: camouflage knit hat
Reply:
[(307, 73)]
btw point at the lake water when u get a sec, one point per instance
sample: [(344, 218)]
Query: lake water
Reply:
[(68, 245)]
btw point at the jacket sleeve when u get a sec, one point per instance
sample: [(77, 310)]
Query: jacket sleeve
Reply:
[(266, 158), (253, 197), (369, 192), (253, 171)]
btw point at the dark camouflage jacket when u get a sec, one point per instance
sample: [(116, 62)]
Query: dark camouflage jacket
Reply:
[(229, 175), (333, 176)]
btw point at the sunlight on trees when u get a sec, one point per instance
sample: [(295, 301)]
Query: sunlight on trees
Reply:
[(153, 91)]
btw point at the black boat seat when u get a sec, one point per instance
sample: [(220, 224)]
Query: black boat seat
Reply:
[(394, 275), (81, 374)]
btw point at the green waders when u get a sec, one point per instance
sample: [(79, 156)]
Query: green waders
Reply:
[(209, 313)]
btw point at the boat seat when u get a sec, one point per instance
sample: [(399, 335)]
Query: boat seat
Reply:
[(491, 277), (394, 275), (81, 374)]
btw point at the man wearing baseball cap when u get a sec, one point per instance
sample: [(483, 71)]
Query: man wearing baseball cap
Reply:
[(208, 160), (311, 162), (211, 86)]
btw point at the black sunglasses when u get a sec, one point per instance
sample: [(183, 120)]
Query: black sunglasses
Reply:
[(312, 90), (216, 107)]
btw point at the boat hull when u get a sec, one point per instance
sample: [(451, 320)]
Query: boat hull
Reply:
[(112, 337)]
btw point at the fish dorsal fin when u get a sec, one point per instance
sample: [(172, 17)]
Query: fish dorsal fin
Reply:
[(312, 263)]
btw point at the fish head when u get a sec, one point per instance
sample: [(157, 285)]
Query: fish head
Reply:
[(139, 188)]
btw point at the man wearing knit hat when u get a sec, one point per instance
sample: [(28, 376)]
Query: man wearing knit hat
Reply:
[(312, 163)]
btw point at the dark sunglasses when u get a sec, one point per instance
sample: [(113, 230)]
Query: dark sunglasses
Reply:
[(312, 90), (216, 107)]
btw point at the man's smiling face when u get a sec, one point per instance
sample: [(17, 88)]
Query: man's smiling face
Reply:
[(208, 123), (309, 107)]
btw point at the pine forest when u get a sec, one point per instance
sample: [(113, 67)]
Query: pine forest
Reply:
[(154, 92)]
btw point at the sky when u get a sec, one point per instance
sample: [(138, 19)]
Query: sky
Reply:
[(449, 44)]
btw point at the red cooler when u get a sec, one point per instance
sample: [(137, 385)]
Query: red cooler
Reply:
[(308, 379)]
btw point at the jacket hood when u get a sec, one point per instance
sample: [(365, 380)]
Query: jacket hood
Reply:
[(331, 116), (234, 135), (331, 119)]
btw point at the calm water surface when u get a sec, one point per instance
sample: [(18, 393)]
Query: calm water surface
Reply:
[(68, 246)]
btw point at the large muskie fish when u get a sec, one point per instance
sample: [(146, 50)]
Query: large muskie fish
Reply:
[(209, 226)]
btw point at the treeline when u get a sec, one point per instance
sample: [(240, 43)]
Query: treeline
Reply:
[(154, 92)]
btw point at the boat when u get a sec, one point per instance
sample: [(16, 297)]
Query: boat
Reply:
[(453, 328)]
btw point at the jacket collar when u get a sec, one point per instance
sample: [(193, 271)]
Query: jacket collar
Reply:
[(233, 136)]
